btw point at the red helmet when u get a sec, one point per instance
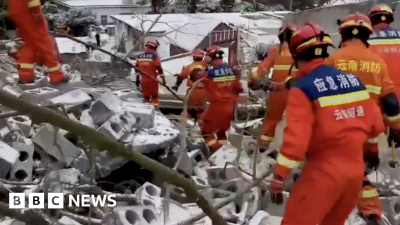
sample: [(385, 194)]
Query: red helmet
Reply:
[(309, 36), (198, 53), (214, 51), (381, 9), (152, 44), (355, 21)]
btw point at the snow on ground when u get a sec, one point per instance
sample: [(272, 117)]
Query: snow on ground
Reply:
[(66, 45), (342, 2), (81, 3), (107, 43)]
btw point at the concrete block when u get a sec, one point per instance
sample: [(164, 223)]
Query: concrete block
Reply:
[(63, 151), (126, 93), (40, 81), (23, 122), (81, 163), (68, 221), (8, 156), (105, 107), (391, 207), (260, 218), (113, 128), (144, 114), (14, 90), (127, 215), (87, 120), (159, 137), (22, 168), (127, 118), (76, 99), (95, 93), (195, 156), (186, 164), (42, 94), (69, 86), (127, 138), (217, 175), (100, 113), (240, 141), (201, 183), (68, 177), (150, 195)]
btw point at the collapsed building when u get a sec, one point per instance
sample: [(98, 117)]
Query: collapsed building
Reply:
[(38, 157)]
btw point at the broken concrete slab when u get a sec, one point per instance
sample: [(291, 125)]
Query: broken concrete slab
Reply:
[(69, 86), (23, 122), (55, 144), (125, 94), (87, 120), (73, 100), (42, 94), (144, 114), (159, 137), (8, 157), (95, 93), (113, 128), (40, 81), (22, 168), (105, 107), (81, 163)]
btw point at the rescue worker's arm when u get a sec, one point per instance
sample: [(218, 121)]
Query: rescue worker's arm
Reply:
[(182, 76), (34, 6), (158, 67), (300, 119), (388, 99), (266, 65)]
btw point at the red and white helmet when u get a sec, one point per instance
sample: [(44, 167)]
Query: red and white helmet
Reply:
[(198, 53), (214, 52), (152, 44), (355, 21), (307, 37), (380, 9)]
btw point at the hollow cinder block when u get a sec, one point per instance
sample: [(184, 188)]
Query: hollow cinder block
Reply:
[(22, 168)]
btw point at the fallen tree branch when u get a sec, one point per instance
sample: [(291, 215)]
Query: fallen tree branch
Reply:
[(120, 59), (101, 142)]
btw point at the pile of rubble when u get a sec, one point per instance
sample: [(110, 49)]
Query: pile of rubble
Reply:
[(42, 158)]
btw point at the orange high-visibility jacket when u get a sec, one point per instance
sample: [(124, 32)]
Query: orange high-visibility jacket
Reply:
[(327, 122)]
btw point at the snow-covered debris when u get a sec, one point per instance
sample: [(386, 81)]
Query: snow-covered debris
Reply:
[(66, 45)]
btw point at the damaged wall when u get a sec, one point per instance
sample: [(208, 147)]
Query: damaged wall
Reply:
[(327, 17)]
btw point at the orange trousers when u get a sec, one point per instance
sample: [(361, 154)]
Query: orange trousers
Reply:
[(276, 105), (34, 33), (322, 197), (216, 121), (150, 91), (196, 103)]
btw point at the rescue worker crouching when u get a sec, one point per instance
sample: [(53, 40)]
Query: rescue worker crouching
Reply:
[(354, 57), (193, 72), (33, 30), (149, 65), (319, 130), (223, 87), (281, 61), (386, 43)]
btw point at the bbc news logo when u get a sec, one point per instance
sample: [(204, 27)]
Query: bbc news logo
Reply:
[(56, 201)]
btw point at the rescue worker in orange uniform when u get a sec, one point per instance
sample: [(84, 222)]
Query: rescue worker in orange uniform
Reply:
[(355, 57), (280, 60), (193, 72), (150, 68), (223, 87), (32, 27), (386, 42), (329, 118)]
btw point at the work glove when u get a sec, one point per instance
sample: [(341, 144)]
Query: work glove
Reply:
[(276, 190), (394, 136), (372, 161)]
